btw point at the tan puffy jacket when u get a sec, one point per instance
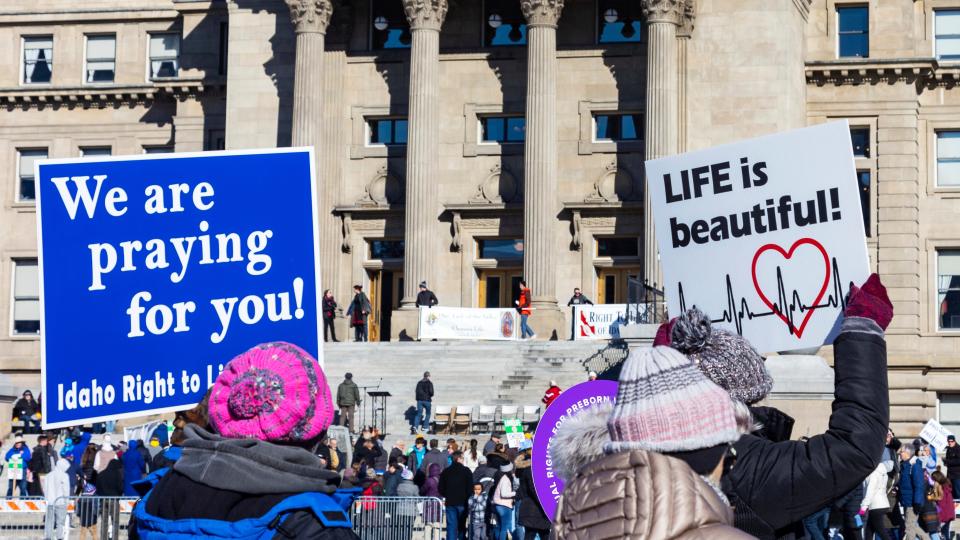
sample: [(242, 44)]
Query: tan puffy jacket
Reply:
[(642, 495)]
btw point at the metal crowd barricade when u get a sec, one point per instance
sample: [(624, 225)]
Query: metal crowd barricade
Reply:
[(97, 518), (399, 518)]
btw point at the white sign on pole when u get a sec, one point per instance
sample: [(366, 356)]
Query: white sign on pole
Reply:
[(765, 236), (468, 323), (934, 433), (602, 321)]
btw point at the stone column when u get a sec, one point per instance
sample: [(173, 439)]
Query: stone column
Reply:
[(662, 108), (540, 198), (310, 19), (423, 145)]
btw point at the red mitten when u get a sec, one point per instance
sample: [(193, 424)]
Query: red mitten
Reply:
[(870, 302), (664, 333)]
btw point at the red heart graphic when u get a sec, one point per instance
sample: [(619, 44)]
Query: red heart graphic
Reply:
[(798, 331)]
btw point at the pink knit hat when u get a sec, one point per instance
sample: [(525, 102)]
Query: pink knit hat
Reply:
[(273, 392)]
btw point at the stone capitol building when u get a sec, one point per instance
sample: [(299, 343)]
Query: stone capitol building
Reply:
[(469, 143)]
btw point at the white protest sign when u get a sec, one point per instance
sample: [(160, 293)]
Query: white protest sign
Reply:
[(765, 236), (601, 321), (934, 433)]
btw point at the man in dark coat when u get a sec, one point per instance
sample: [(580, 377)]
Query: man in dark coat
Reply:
[(579, 299), (435, 455), (777, 482), (42, 460), (952, 460), (456, 486), (426, 298), (424, 397), (27, 410), (367, 452), (348, 397)]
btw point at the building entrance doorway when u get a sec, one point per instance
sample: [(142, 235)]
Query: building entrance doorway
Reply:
[(612, 284), (386, 291), (499, 288)]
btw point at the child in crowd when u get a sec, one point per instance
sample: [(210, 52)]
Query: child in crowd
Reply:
[(477, 506)]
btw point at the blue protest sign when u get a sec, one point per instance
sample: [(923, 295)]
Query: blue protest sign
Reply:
[(156, 270)]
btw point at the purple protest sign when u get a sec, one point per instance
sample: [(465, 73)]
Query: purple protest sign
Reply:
[(569, 404)]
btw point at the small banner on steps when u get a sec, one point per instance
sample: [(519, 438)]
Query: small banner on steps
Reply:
[(155, 270), (468, 323)]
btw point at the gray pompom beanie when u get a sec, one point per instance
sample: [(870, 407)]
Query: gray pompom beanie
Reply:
[(726, 358)]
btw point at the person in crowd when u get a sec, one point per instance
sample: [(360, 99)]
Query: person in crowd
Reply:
[(951, 459), (668, 438), (815, 525), (358, 312), (336, 458), (471, 457), (105, 454), (491, 443), (87, 490), (329, 307), (56, 490), (431, 486), (269, 407), (42, 460), (946, 507), (434, 457), (391, 479), (162, 433), (407, 511), (477, 517), (153, 449), (426, 298), (875, 505), (524, 307), (399, 449), (777, 481), (913, 489), (110, 484), (531, 515), (579, 299), (503, 495), (17, 458), (455, 486), (354, 474), (592, 376), (498, 458), (424, 397), (452, 447), (74, 473), (133, 468), (417, 454), (930, 517), (552, 393), (368, 453), (348, 397), (198, 416), (846, 509), (27, 410)]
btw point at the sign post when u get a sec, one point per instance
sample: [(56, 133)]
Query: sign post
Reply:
[(765, 236), (156, 270)]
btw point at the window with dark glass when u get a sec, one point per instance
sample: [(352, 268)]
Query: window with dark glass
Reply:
[(27, 188), (618, 127), (618, 247), (948, 288), (101, 58), (863, 186), (503, 129), (853, 31), (37, 59), (620, 21), (224, 48), (387, 131), (26, 297), (389, 27), (501, 249), (164, 55), (860, 137), (386, 249), (504, 24)]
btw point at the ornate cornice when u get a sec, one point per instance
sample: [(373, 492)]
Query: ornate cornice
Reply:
[(541, 12), (425, 14), (311, 16), (668, 11)]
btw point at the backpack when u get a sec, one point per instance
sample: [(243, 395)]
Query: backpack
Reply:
[(306, 515)]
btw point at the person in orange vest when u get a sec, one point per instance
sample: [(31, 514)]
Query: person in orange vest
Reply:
[(523, 305), (551, 394)]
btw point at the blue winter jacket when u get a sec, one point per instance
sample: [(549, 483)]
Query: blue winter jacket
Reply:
[(133, 469), (913, 487)]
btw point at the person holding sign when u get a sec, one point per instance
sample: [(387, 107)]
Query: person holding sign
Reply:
[(17, 459), (777, 482)]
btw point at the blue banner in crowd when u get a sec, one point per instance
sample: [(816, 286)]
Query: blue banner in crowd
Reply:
[(156, 270)]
